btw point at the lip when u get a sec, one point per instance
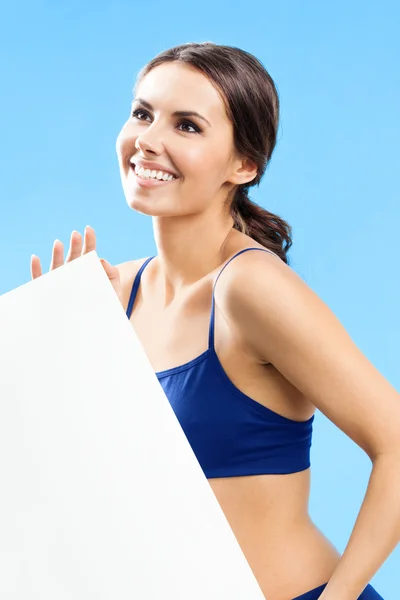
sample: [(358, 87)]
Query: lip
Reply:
[(153, 166)]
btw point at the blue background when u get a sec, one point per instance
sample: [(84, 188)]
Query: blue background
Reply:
[(67, 71)]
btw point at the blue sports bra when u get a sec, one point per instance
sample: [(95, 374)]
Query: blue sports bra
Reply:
[(230, 433)]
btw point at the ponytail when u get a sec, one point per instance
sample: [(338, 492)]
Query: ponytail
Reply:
[(264, 227)]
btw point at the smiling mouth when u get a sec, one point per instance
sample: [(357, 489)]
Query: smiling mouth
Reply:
[(151, 182), (174, 177)]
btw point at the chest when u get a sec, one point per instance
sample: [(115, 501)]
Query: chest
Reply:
[(176, 335)]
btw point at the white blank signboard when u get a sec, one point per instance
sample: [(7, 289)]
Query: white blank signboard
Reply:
[(101, 495)]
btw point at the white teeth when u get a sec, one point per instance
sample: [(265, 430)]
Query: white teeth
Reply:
[(148, 174)]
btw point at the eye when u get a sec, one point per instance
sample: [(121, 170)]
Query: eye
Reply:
[(136, 112), (139, 111), (190, 124)]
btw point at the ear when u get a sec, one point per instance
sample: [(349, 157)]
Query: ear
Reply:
[(244, 170)]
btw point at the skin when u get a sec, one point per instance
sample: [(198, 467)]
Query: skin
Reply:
[(285, 355)]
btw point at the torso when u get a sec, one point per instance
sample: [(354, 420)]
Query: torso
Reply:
[(267, 513)]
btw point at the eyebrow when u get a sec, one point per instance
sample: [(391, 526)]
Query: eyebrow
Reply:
[(177, 113)]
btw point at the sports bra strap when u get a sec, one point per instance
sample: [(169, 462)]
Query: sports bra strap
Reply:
[(135, 286), (212, 316)]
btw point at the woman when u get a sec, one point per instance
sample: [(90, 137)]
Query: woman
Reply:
[(245, 363)]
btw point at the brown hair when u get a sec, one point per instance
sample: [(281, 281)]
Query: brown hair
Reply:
[(252, 104)]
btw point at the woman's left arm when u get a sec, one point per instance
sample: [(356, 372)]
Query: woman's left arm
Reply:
[(285, 323), (375, 534)]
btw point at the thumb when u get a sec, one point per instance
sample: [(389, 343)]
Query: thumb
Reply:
[(111, 271)]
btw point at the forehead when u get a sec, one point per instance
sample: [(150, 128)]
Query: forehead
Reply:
[(177, 86)]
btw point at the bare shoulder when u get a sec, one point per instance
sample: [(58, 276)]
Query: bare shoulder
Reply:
[(247, 289), (243, 273), (127, 272)]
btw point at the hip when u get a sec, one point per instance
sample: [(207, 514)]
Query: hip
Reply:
[(369, 593)]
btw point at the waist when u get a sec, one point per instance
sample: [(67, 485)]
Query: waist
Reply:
[(288, 558), (273, 501), (292, 563), (269, 516)]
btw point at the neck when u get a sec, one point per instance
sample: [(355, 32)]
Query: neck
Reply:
[(188, 249)]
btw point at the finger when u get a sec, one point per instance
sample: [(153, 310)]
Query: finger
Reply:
[(36, 269), (89, 240), (75, 246), (57, 259)]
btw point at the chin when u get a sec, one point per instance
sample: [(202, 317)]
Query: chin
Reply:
[(146, 206)]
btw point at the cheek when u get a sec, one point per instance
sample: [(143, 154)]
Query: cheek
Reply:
[(122, 143), (200, 164)]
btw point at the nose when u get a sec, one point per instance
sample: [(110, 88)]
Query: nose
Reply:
[(149, 140)]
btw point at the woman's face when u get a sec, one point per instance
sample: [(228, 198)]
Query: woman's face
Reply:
[(199, 150)]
